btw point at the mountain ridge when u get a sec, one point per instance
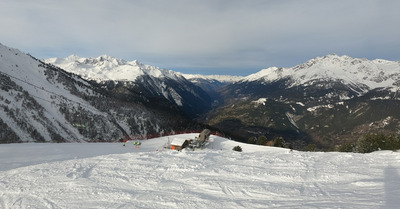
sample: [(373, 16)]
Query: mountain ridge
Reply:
[(106, 67), (376, 73)]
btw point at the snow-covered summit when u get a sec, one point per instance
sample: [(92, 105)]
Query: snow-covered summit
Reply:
[(106, 67), (372, 73)]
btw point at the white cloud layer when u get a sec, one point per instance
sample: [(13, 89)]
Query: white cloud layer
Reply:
[(206, 36)]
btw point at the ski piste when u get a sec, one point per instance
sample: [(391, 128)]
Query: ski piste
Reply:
[(108, 175)]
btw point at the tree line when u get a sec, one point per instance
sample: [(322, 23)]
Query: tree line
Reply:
[(368, 143), (372, 142)]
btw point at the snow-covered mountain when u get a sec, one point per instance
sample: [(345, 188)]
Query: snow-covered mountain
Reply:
[(105, 68), (328, 100), (369, 74), (40, 102), (139, 80), (323, 80)]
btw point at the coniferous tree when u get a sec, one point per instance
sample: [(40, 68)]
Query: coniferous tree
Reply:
[(262, 140), (252, 140), (311, 148), (279, 142), (377, 141)]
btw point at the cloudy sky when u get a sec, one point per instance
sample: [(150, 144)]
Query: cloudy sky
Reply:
[(204, 36)]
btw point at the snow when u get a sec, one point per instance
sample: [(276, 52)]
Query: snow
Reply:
[(311, 109), (260, 101), (178, 141), (109, 175), (105, 68), (352, 71), (301, 104)]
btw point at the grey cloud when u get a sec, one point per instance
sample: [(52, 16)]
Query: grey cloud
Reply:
[(224, 34)]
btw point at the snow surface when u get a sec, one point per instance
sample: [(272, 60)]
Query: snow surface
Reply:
[(375, 74), (261, 101), (109, 175), (105, 68)]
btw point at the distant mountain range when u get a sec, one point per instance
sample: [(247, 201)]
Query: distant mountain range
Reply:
[(360, 73), (327, 101)]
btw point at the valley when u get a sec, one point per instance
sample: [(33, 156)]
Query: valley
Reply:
[(327, 101)]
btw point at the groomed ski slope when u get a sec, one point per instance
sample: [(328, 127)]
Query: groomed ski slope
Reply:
[(108, 175)]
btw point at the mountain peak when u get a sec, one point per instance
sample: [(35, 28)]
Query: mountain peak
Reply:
[(73, 57), (330, 59), (105, 57), (110, 59), (137, 63)]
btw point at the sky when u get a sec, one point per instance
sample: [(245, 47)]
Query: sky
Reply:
[(235, 37)]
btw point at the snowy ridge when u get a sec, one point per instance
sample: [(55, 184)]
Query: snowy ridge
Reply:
[(108, 175), (106, 67), (374, 74), (220, 78)]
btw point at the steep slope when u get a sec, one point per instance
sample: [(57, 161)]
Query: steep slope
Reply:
[(40, 102), (328, 100), (134, 79)]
